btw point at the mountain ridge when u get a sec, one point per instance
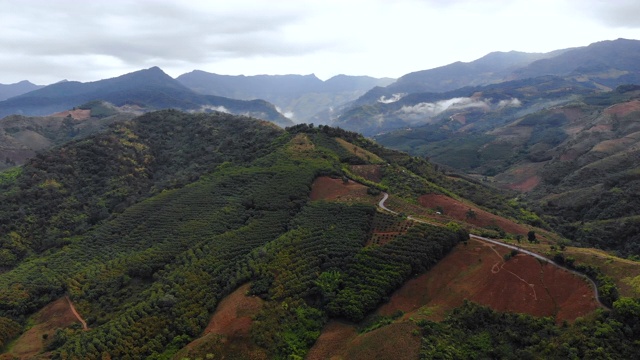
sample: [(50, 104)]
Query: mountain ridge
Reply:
[(10, 90), (299, 96), (147, 88)]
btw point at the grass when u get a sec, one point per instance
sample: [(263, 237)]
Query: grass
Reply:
[(360, 152)]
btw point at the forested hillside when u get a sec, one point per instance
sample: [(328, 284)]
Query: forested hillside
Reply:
[(149, 226)]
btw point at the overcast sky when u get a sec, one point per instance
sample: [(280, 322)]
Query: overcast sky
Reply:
[(45, 41)]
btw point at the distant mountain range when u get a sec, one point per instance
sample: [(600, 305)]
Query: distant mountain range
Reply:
[(149, 89), (432, 95), (22, 87), (300, 97), (526, 82)]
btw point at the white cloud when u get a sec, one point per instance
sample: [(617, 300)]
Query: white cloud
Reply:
[(427, 110), (45, 41), (206, 108), (513, 102), (424, 112), (388, 100)]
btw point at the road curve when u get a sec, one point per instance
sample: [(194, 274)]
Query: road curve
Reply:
[(499, 243)]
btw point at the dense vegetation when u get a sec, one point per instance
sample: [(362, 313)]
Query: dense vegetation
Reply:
[(63, 193), (148, 226), (476, 332)]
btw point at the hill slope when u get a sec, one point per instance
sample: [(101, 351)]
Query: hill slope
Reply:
[(149, 226), (21, 136)]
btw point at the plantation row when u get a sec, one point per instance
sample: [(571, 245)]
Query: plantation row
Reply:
[(67, 190), (321, 269)]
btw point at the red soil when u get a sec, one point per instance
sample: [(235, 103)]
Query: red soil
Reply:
[(327, 188), (56, 315), (75, 114), (526, 185), (478, 273), (228, 330), (623, 108), (341, 341), (234, 313), (458, 211), (333, 340)]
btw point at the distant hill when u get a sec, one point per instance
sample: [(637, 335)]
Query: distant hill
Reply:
[(600, 66), (149, 89), (491, 68), (22, 136), (298, 96), (578, 161), (606, 63), (491, 103), (22, 87)]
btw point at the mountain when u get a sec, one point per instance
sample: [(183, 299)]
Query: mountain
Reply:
[(299, 96), (159, 238), (577, 161), (492, 68), (22, 87), (606, 63), (149, 89), (598, 67), (22, 136), (469, 106)]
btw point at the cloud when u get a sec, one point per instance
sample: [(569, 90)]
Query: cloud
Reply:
[(131, 35), (424, 112), (45, 41), (206, 108), (395, 97), (616, 14), (513, 102)]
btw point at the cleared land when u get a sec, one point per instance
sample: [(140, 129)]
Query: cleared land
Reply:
[(228, 331), (56, 315), (477, 272)]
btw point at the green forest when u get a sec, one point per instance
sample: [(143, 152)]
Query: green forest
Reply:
[(149, 225)]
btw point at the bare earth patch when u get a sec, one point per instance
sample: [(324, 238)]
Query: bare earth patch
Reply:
[(228, 330), (333, 341), (340, 341), (522, 178), (75, 114), (327, 188), (56, 315), (459, 210), (623, 108), (477, 272)]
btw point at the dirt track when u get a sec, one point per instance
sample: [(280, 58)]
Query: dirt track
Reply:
[(75, 313), (537, 256)]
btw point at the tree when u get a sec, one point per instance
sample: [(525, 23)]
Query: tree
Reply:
[(531, 236), (471, 214)]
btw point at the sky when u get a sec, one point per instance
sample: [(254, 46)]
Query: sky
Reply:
[(45, 41)]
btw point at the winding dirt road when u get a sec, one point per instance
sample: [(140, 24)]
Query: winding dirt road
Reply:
[(75, 313), (499, 243)]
